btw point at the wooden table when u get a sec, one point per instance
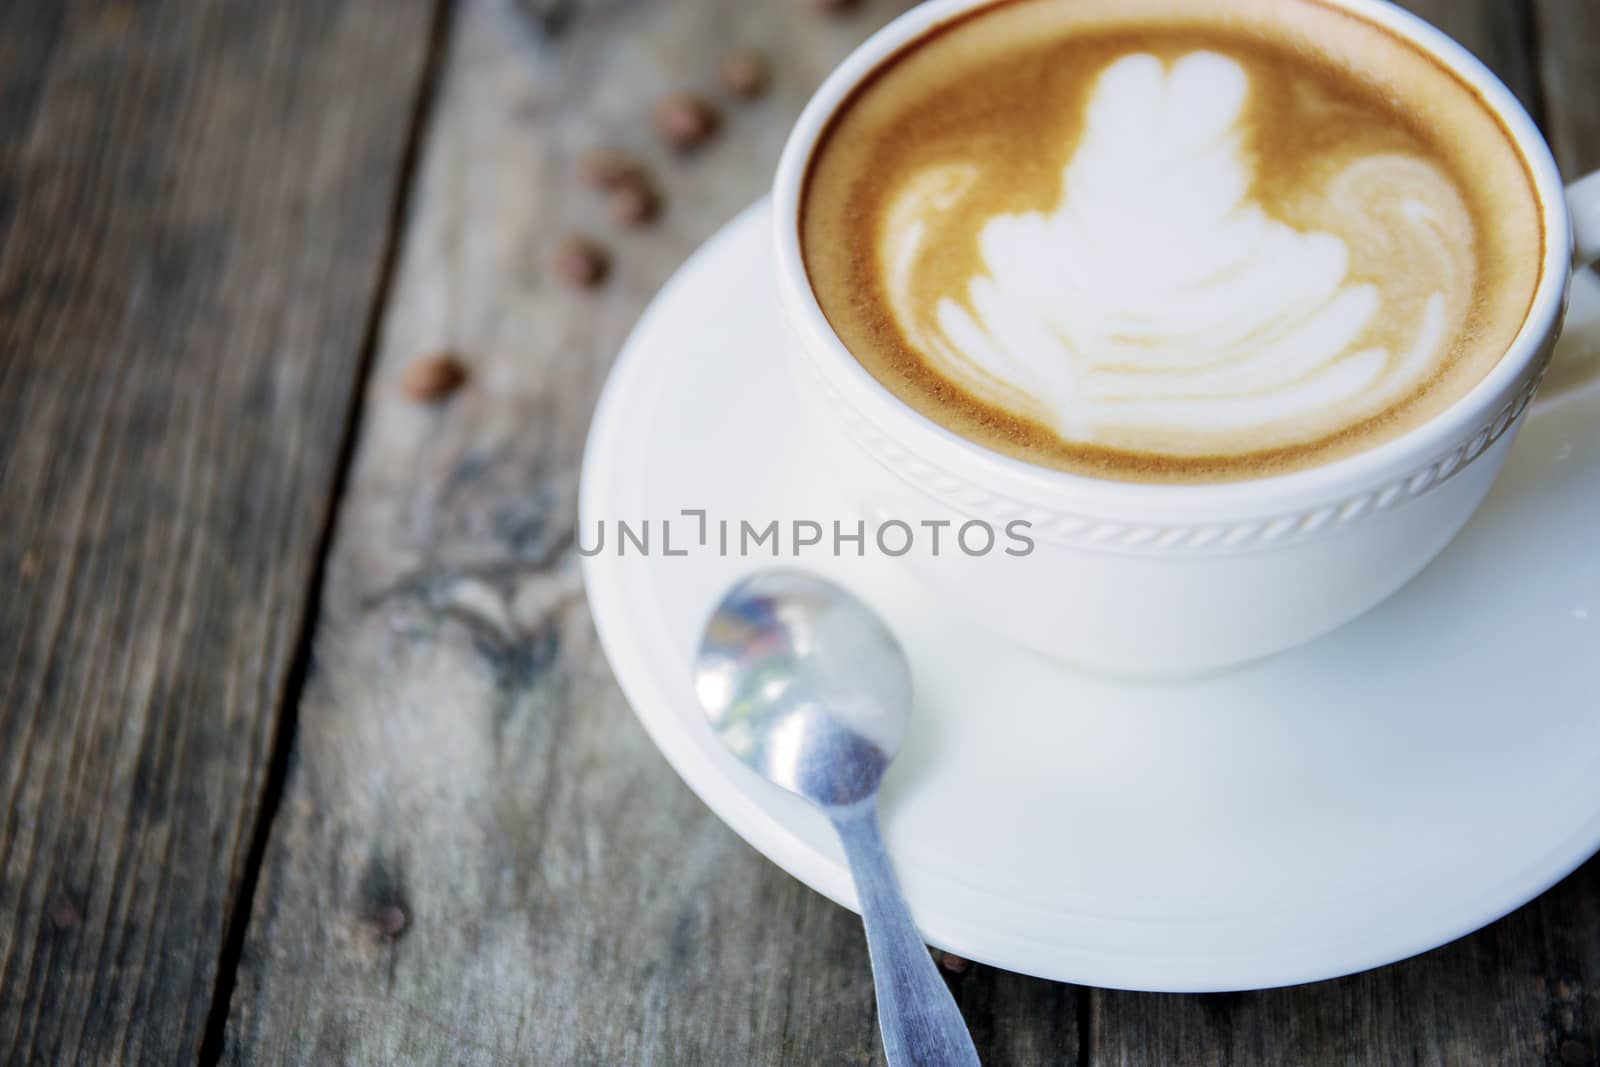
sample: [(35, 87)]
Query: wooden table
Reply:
[(308, 754)]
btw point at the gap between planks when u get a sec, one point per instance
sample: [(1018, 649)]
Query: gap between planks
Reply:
[(271, 797)]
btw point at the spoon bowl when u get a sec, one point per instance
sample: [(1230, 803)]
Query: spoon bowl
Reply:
[(804, 684)]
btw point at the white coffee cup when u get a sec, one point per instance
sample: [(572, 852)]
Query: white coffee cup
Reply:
[(1168, 579)]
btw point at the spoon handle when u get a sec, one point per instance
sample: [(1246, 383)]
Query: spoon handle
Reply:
[(920, 1021)]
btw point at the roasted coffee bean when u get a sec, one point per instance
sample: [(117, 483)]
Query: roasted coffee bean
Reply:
[(745, 72), (607, 168), (580, 261), (433, 378), (685, 121)]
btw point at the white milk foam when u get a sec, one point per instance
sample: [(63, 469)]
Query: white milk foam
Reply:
[(1160, 302)]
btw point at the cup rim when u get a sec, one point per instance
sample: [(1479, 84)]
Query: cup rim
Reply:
[(940, 446)]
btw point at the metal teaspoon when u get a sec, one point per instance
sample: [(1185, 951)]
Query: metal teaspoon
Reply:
[(806, 685)]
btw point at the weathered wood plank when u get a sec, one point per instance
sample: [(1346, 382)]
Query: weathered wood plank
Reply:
[(464, 758), (1522, 991), (1569, 52), (1527, 989), (195, 201)]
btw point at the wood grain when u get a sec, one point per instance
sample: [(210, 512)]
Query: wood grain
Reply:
[(194, 206), (1527, 989), (481, 858), (1569, 51), (1522, 991)]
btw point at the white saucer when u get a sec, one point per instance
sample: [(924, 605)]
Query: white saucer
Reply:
[(1388, 788)]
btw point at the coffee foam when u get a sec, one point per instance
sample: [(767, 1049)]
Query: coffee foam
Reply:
[(1169, 245)]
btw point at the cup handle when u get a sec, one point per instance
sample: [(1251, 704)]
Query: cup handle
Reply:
[(1576, 363), (1583, 203)]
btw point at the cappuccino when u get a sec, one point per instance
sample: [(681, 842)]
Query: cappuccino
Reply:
[(1164, 240)]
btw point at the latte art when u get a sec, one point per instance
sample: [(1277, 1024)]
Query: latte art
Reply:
[(1159, 295), (1169, 240)]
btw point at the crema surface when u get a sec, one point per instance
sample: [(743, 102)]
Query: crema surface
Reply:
[(1165, 240)]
